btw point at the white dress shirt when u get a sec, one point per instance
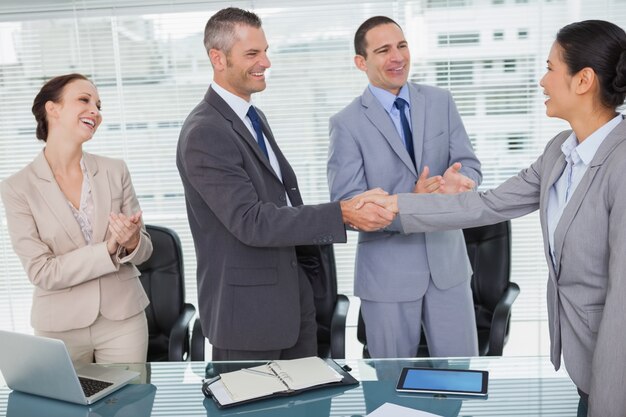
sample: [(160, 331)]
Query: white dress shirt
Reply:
[(240, 107)]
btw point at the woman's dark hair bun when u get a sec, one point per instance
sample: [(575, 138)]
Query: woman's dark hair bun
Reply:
[(619, 83)]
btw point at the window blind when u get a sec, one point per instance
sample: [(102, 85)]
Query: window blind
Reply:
[(148, 61)]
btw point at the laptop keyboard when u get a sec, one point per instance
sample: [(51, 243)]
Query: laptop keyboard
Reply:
[(92, 386)]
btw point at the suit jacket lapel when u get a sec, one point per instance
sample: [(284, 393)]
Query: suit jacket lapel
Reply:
[(418, 114), (101, 194), (381, 121), (289, 179), (557, 167), (555, 164), (570, 212), (617, 136), (56, 200), (239, 127)]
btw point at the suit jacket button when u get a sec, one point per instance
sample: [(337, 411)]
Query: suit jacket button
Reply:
[(294, 264), (282, 198)]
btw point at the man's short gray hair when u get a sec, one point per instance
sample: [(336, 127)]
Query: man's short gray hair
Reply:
[(219, 32)]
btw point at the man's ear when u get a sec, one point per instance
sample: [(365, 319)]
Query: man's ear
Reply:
[(218, 59), (585, 80), (359, 61)]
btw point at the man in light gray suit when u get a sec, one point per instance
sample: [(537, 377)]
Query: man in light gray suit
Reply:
[(384, 138)]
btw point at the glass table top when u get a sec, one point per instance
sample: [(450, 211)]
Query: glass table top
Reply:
[(518, 386)]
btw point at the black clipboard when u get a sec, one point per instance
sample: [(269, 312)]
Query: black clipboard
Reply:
[(347, 380)]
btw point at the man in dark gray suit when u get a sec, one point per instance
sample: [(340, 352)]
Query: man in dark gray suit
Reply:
[(245, 210)]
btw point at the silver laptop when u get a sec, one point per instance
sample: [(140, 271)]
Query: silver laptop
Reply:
[(42, 366)]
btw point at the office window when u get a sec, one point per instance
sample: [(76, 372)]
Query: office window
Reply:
[(466, 102), (512, 100), (498, 35), (454, 73), (522, 34), (510, 65), (516, 141), (458, 39), (148, 61), (433, 4)]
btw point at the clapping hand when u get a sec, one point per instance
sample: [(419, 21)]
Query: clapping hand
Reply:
[(454, 182), (425, 185), (125, 230)]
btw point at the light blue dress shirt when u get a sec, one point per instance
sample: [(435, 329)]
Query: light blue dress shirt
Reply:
[(578, 157), (387, 100), (240, 107)]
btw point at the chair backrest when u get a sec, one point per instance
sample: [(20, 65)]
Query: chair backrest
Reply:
[(489, 252), (319, 264), (162, 277)]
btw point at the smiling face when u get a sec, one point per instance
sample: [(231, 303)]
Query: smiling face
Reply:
[(77, 114), (388, 58), (242, 70), (558, 86)]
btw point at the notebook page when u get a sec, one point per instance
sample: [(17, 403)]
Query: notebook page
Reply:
[(305, 372), (246, 384), (394, 410)]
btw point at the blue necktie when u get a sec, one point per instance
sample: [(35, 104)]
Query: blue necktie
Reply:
[(400, 104), (256, 124)]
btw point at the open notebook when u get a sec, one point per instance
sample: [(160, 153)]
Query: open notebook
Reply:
[(276, 378)]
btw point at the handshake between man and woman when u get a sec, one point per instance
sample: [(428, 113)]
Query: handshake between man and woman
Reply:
[(376, 209)]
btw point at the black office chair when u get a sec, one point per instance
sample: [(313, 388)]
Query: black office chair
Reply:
[(331, 308), (163, 279), (489, 252)]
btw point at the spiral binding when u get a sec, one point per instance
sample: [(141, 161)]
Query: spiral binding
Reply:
[(281, 375)]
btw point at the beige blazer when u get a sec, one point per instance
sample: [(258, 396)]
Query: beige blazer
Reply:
[(74, 281)]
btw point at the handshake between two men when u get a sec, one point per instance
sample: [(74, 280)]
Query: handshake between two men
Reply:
[(376, 209)]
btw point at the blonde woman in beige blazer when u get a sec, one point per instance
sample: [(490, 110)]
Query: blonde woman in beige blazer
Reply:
[(75, 224)]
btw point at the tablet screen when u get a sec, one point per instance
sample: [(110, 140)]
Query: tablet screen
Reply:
[(451, 381)]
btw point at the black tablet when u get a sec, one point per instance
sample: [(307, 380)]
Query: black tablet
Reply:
[(443, 381)]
